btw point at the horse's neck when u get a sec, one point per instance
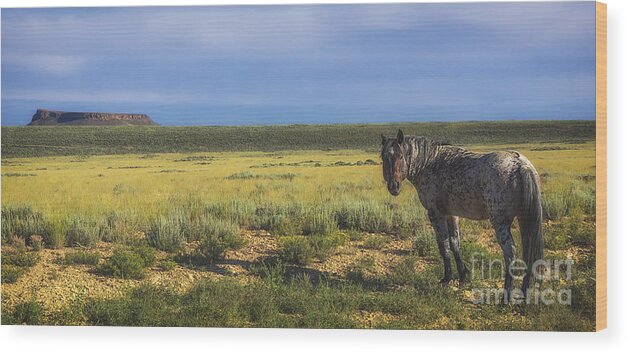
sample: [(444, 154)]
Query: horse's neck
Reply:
[(420, 154)]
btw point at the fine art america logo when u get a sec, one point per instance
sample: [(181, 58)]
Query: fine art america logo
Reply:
[(542, 270)]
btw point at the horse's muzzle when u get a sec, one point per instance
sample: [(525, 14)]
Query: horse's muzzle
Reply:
[(394, 187)]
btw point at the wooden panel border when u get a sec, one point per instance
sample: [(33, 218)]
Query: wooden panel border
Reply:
[(600, 167)]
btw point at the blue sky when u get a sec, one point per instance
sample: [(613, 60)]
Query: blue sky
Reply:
[(241, 65)]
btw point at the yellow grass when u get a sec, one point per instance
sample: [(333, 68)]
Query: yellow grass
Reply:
[(97, 185)]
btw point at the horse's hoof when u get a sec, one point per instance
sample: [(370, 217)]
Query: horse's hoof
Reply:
[(445, 281), (464, 277)]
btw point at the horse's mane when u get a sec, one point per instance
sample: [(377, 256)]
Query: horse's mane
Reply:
[(422, 151)]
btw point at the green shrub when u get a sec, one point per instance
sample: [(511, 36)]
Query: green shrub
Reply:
[(479, 259), (404, 232), (148, 254), (217, 237), (142, 306), (325, 245), (554, 205), (14, 264), (280, 224), (568, 232), (271, 269), (187, 216), (320, 223), (565, 200), (37, 242), (164, 233), (560, 318), (126, 264), (82, 232), (29, 313), (368, 216), (11, 273), (407, 219), (584, 235), (21, 221), (119, 227), (242, 212), (55, 236), (280, 219), (424, 244), (375, 241), (377, 217), (20, 258), (242, 175), (18, 243), (556, 237), (355, 235), (404, 273), (581, 232), (82, 258), (190, 229), (358, 271), (296, 249), (583, 288), (167, 265)]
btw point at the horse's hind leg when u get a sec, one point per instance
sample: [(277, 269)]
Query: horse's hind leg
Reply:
[(454, 243), (504, 238), (439, 223)]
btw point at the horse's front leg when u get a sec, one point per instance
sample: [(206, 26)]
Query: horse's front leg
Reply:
[(439, 223)]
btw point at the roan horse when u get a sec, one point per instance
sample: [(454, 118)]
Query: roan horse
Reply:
[(453, 182)]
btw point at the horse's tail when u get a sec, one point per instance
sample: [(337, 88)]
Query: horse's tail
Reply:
[(530, 220)]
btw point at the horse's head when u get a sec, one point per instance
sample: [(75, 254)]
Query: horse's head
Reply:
[(394, 162)]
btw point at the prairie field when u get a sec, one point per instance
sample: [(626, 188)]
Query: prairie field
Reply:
[(288, 226)]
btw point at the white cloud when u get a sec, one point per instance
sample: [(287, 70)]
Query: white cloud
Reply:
[(283, 28), (131, 29), (130, 96), (47, 63)]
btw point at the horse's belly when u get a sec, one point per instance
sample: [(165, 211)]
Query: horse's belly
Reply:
[(474, 214), (470, 210), (471, 215)]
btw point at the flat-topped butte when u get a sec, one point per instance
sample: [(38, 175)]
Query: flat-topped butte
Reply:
[(55, 117)]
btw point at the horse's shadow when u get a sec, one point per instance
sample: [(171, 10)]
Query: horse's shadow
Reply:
[(267, 267), (273, 268), (398, 252), (217, 267), (197, 263)]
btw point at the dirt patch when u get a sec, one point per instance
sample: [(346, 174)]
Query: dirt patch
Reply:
[(384, 260), (57, 286), (367, 319)]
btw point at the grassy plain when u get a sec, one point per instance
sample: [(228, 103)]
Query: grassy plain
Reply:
[(256, 237), (36, 141)]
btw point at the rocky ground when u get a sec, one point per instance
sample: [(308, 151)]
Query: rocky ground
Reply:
[(56, 285)]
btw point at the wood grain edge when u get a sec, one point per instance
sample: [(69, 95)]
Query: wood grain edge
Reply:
[(600, 167)]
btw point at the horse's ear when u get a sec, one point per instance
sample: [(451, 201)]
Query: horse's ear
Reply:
[(383, 139), (400, 136)]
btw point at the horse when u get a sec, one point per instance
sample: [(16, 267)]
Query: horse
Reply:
[(453, 182)]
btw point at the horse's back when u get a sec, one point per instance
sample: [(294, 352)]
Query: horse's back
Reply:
[(480, 185), (474, 185)]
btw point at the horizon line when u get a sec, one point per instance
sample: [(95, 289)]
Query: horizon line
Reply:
[(316, 124)]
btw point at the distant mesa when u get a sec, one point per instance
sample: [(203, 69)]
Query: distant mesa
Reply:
[(54, 117)]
